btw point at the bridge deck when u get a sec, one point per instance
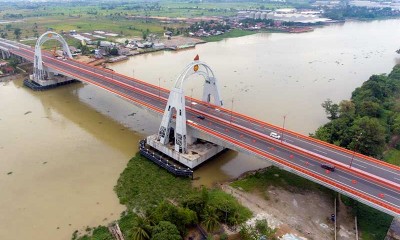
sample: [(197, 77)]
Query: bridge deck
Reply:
[(369, 180)]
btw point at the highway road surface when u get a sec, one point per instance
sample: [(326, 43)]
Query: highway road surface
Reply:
[(369, 180)]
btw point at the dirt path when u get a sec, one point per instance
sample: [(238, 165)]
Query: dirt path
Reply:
[(297, 216)]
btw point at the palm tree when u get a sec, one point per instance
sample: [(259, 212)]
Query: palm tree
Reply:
[(142, 229), (210, 217)]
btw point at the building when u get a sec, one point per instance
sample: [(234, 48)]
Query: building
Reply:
[(168, 34), (158, 46), (3, 63)]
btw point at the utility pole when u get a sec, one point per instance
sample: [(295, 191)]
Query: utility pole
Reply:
[(354, 151), (232, 109), (159, 88), (191, 99), (283, 127)]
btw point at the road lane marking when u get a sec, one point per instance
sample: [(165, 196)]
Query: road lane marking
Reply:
[(276, 147), (320, 151), (326, 176), (344, 177), (359, 165), (327, 148)]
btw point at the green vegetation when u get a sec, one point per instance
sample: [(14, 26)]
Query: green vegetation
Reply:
[(260, 229), (369, 123), (393, 156), (231, 34), (273, 176), (143, 184), (348, 11), (161, 206), (372, 223)]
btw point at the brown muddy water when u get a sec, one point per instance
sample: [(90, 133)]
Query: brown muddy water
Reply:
[(61, 151)]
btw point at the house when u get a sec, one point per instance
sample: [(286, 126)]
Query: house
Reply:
[(73, 49), (106, 44), (158, 46), (8, 70), (123, 51), (168, 34), (99, 53), (148, 44), (3, 63)]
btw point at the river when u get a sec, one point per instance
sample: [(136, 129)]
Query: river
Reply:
[(63, 150)]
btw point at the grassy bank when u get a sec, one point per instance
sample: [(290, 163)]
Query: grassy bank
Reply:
[(154, 196), (232, 34), (273, 176), (143, 184)]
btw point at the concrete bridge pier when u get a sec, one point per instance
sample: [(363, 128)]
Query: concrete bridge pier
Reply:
[(5, 54)]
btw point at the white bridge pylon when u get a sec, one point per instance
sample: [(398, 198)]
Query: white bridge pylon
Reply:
[(176, 100), (38, 71)]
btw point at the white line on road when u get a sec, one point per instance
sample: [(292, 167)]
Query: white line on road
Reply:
[(320, 151), (359, 165)]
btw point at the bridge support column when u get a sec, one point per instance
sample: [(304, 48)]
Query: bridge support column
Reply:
[(173, 138), (42, 76), (5, 54)]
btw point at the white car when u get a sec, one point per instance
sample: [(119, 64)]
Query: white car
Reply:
[(275, 135)]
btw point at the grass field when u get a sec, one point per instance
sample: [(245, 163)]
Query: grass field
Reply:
[(393, 157), (115, 16), (232, 34), (274, 176)]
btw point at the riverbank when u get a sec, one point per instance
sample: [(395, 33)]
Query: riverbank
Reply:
[(297, 207), (152, 195), (368, 123), (234, 33)]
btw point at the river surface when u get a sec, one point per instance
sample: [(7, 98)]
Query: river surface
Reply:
[(61, 151)]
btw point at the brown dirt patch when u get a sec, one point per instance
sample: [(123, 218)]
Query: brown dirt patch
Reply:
[(296, 215)]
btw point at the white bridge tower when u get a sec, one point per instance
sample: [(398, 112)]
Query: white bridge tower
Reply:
[(40, 74), (176, 101)]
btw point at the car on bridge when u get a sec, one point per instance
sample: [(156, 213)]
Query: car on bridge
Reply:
[(328, 167), (201, 117), (275, 135)]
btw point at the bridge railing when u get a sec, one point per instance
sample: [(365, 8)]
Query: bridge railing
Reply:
[(285, 163)]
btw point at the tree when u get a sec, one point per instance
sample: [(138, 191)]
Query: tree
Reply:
[(369, 108), (114, 51), (347, 108), (264, 230), (165, 230), (210, 217), (17, 33), (261, 230), (142, 229), (331, 109), (13, 61), (372, 140), (181, 217)]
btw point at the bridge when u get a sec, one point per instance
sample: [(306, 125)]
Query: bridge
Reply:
[(368, 180)]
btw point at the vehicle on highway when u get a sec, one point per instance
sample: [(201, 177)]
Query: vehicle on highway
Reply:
[(328, 167), (275, 135), (201, 117)]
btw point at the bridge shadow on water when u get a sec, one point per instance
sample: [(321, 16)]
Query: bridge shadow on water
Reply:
[(117, 122), (84, 106)]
